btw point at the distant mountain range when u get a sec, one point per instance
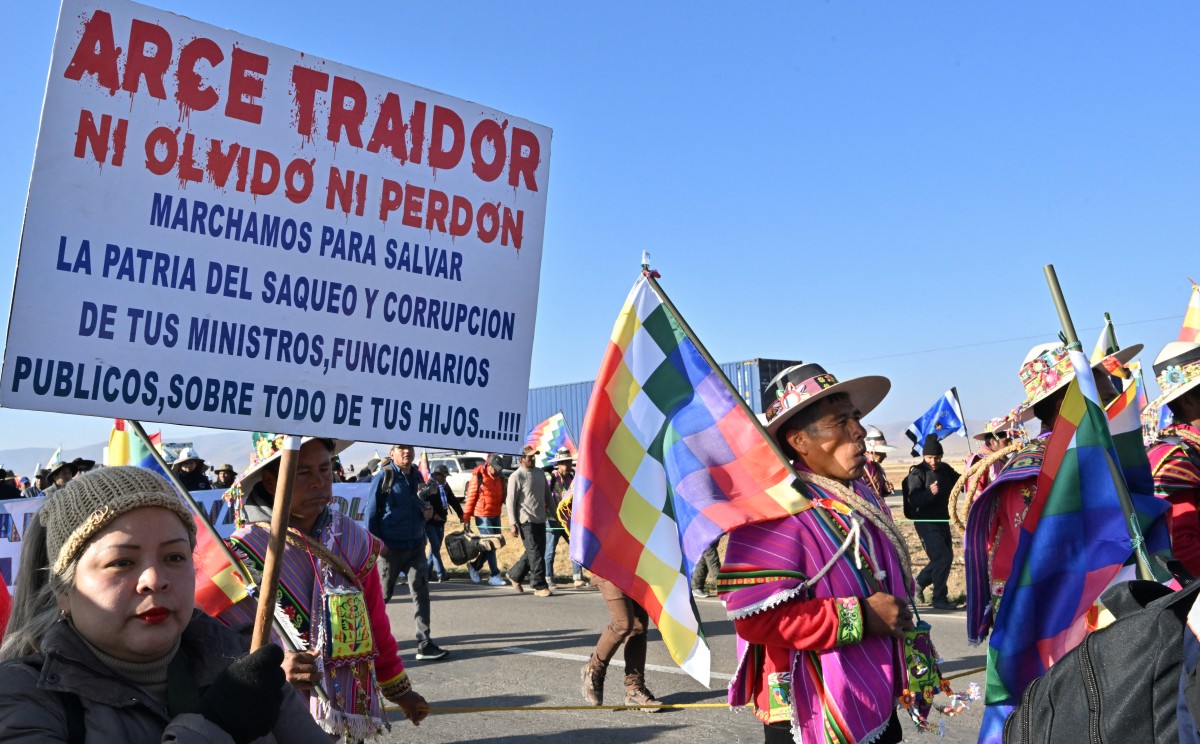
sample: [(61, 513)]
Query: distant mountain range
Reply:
[(234, 448), (231, 447)]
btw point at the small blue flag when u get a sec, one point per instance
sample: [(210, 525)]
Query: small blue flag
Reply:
[(943, 418)]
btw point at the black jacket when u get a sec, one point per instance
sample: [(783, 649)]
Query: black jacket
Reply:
[(440, 514), (919, 501)]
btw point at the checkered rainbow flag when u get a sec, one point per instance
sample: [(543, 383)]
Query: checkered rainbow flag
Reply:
[(669, 460), (548, 436)]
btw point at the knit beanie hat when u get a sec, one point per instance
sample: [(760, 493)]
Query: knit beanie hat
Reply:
[(89, 503), (931, 446)]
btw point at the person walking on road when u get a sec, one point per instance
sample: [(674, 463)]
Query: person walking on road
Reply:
[(398, 518), (926, 501), (528, 499), (485, 499), (627, 625)]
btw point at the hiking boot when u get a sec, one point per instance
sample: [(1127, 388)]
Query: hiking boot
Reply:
[(516, 585), (593, 685), (431, 652), (943, 604), (543, 593), (641, 696)]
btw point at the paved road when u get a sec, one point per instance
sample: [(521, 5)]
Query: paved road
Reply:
[(517, 650)]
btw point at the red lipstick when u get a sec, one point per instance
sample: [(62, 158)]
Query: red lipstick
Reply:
[(155, 616)]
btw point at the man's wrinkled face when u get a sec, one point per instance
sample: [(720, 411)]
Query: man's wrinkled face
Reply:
[(932, 461), (833, 445)]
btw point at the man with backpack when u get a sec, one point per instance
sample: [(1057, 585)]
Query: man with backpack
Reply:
[(926, 501), (398, 516), (485, 499), (1175, 455)]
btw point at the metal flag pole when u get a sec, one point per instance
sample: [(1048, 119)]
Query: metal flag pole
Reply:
[(1135, 533), (966, 433), (234, 563)]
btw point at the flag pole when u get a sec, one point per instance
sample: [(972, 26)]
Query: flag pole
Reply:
[(967, 434), (662, 296), (567, 426), (281, 510), (234, 563), (1135, 532)]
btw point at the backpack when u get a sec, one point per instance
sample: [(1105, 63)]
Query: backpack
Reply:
[(910, 511), (1121, 683)]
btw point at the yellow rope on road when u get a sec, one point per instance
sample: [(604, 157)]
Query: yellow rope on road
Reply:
[(659, 706), (500, 708), (967, 673)]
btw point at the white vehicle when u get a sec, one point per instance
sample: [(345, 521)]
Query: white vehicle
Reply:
[(460, 465)]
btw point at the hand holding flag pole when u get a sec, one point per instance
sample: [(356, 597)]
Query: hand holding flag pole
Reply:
[(236, 564)]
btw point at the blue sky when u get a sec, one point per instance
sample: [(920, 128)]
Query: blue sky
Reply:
[(873, 187)]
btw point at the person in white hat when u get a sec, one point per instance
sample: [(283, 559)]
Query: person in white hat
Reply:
[(821, 658), (994, 437), (189, 467), (1175, 455), (994, 518), (877, 451)]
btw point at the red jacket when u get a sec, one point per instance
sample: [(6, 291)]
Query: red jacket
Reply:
[(485, 494)]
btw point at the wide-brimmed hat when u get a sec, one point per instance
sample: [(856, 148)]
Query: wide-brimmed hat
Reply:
[(54, 468), (225, 468), (440, 470), (876, 442), (267, 449), (994, 428), (1047, 369), (801, 385), (529, 450), (1176, 370), (563, 455), (187, 454), (82, 464)]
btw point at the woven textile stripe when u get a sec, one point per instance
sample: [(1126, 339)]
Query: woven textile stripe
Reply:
[(1073, 541), (668, 461), (548, 437)]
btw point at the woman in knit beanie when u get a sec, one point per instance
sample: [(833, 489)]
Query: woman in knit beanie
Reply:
[(104, 640)]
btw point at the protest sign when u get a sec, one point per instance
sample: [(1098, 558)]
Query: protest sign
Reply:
[(349, 498), (225, 232)]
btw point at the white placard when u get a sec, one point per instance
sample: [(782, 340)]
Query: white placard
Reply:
[(225, 232)]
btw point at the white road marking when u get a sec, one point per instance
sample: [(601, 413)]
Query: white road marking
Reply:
[(614, 662)]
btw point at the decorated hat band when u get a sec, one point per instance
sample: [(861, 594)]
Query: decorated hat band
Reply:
[(793, 395), (1046, 372), (1177, 376)]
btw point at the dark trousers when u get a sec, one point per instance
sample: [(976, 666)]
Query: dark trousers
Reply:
[(627, 624), (533, 561), (414, 564), (435, 532), (935, 537), (780, 732), (709, 565)]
